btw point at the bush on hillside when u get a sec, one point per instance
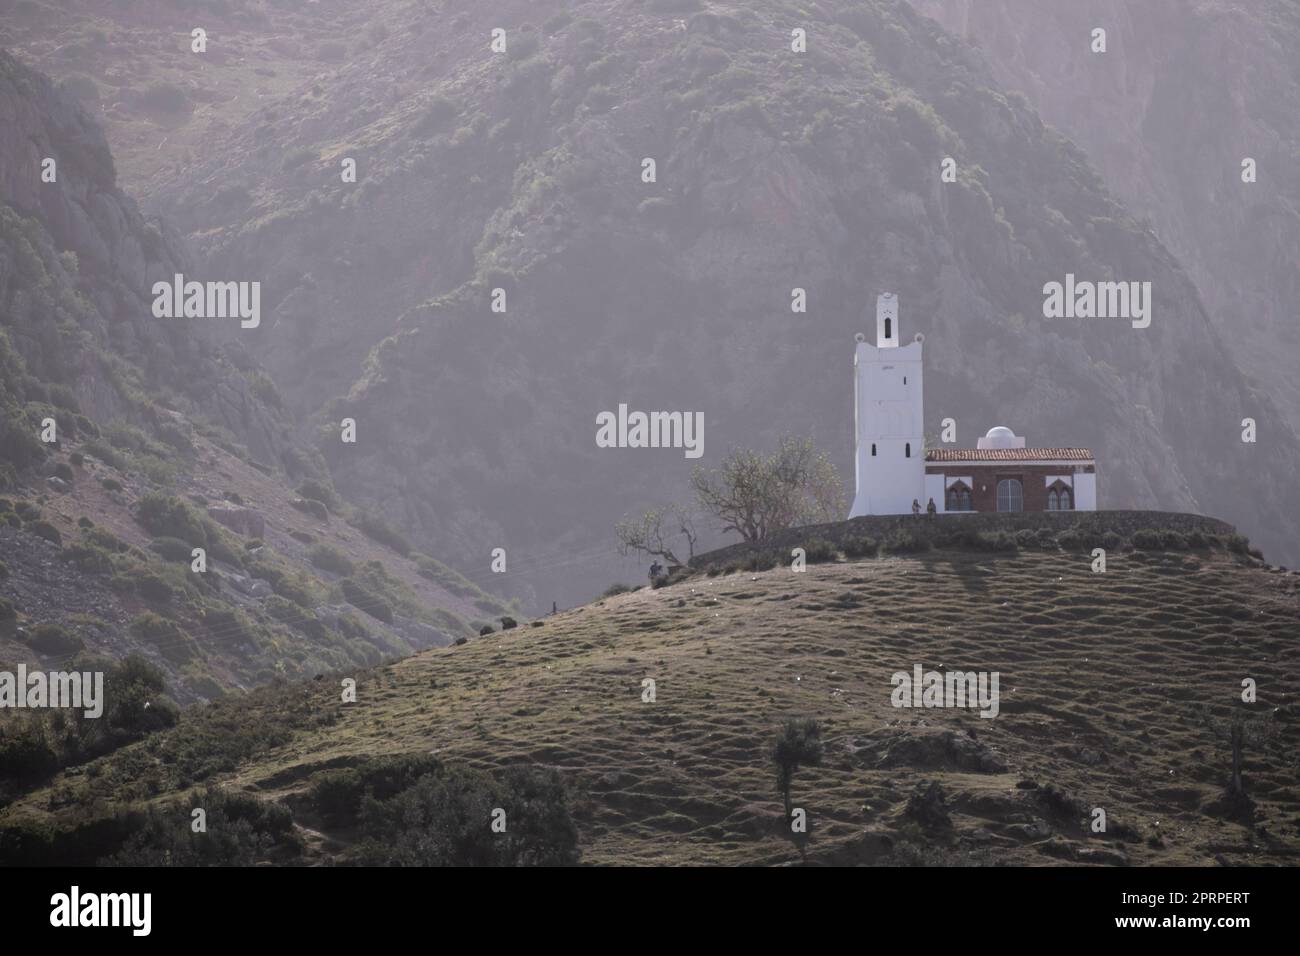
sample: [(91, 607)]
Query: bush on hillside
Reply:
[(45, 530), (901, 541), (366, 600), (51, 639), (329, 558)]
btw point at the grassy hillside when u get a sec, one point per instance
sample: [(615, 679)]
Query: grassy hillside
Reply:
[(1116, 691)]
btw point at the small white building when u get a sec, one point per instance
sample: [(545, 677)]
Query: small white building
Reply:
[(894, 471)]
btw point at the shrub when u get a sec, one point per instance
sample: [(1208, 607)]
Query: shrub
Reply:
[(27, 756), (329, 558), (103, 538), (819, 551), (54, 640), (111, 484), (1174, 541), (312, 507), (359, 596), (437, 115), (1147, 539), (107, 454), (1238, 544), (169, 517), (166, 636), (87, 558), (905, 542), (243, 830), (311, 488), (83, 523), (4, 570), (437, 821), (64, 471), (616, 589), (172, 549), (377, 529), (760, 561), (860, 547), (45, 530), (996, 541), (337, 794)]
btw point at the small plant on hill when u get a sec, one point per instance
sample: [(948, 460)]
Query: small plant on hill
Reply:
[(799, 744)]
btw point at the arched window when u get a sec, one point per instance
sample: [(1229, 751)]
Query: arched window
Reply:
[(958, 497), (907, 449), (889, 328), (1011, 495), (873, 449), (1060, 497)]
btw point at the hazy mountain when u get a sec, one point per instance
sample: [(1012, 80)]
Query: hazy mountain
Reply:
[(774, 170), (1185, 92), (164, 440)]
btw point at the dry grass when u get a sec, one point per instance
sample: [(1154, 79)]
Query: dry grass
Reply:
[(1106, 680)]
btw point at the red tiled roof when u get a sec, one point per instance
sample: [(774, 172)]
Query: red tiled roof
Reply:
[(1008, 454)]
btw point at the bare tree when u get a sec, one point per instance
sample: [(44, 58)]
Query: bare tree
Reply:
[(651, 533), (1236, 733), (754, 495)]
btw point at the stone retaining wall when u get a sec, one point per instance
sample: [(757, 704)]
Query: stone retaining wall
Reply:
[(879, 527)]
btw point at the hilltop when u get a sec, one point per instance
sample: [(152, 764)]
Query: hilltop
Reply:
[(1116, 691)]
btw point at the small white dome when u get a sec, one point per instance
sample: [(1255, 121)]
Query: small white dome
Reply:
[(999, 436)]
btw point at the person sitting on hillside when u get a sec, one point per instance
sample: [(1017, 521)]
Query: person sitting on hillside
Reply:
[(916, 508), (930, 509), (656, 569)]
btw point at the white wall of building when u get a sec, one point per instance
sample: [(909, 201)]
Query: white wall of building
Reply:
[(889, 419), (936, 489), (1085, 492)]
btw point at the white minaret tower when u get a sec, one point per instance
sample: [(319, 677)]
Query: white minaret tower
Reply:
[(888, 419)]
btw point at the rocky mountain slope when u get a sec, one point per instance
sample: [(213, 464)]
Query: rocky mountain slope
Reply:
[(1185, 93), (165, 440), (1117, 692), (775, 170)]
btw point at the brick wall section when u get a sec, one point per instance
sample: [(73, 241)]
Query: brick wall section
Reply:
[(984, 496), (1123, 523)]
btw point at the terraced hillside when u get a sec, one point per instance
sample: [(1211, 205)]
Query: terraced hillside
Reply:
[(1117, 689)]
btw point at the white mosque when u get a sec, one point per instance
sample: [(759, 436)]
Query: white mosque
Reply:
[(894, 469)]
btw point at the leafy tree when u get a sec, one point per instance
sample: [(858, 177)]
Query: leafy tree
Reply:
[(798, 744), (755, 495), (444, 819)]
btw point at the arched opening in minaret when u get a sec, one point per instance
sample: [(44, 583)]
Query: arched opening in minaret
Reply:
[(889, 328)]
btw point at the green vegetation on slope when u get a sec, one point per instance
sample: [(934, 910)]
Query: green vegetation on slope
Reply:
[(1113, 690)]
